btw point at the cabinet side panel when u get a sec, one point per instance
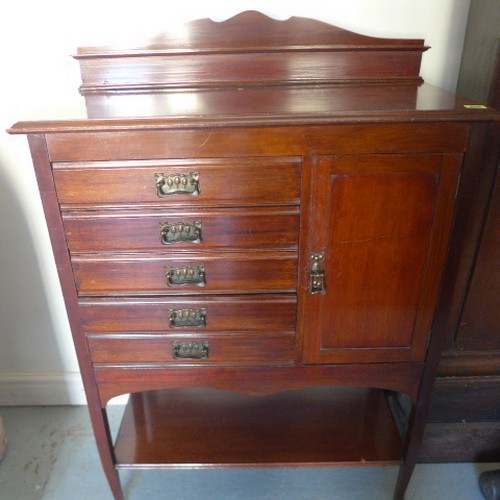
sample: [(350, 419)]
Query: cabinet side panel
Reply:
[(43, 169)]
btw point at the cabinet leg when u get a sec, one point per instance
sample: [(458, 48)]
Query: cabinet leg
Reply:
[(414, 437), (105, 448), (404, 476), (114, 482)]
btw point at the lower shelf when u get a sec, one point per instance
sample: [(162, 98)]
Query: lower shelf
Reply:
[(195, 428)]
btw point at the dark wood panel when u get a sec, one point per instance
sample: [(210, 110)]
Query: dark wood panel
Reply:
[(230, 140), (232, 182), (479, 326), (461, 442), (255, 272), (209, 428), (223, 314), (114, 231), (471, 208), (469, 363), (222, 349), (465, 399)]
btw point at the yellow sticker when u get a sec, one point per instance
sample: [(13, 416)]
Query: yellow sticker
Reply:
[(475, 106)]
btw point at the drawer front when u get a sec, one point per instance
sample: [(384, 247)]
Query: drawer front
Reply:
[(210, 349), (270, 272), (250, 141), (179, 183), (190, 314), (108, 231)]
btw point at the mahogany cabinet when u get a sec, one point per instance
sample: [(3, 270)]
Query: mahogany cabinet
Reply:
[(251, 231)]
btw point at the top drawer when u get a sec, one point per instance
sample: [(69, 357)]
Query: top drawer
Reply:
[(253, 181)]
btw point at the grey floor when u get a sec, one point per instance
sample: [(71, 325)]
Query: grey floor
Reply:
[(52, 456)]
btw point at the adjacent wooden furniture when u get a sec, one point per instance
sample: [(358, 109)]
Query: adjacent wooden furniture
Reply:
[(464, 419), (251, 231)]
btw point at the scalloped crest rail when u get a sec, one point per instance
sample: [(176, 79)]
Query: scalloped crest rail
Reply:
[(250, 49)]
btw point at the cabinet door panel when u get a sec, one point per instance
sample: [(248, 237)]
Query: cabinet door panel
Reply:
[(381, 222)]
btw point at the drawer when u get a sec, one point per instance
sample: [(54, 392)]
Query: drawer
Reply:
[(258, 272), (179, 183), (273, 313), (336, 138), (205, 349), (114, 231)]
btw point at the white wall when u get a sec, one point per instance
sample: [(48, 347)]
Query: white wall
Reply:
[(39, 80)]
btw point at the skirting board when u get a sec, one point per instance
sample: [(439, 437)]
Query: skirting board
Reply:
[(41, 389), (45, 389)]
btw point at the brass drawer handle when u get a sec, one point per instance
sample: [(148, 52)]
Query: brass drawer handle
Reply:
[(317, 283), (171, 233), (188, 318), (178, 276), (190, 350), (170, 184)]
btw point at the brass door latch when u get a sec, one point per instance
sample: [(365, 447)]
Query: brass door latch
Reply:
[(317, 283)]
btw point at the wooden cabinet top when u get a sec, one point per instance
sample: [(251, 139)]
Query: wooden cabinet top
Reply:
[(254, 70)]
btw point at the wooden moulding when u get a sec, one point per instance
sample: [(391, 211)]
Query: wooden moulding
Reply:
[(319, 426), (256, 380), (249, 49)]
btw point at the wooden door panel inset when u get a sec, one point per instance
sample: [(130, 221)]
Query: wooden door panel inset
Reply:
[(382, 223), (377, 257)]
